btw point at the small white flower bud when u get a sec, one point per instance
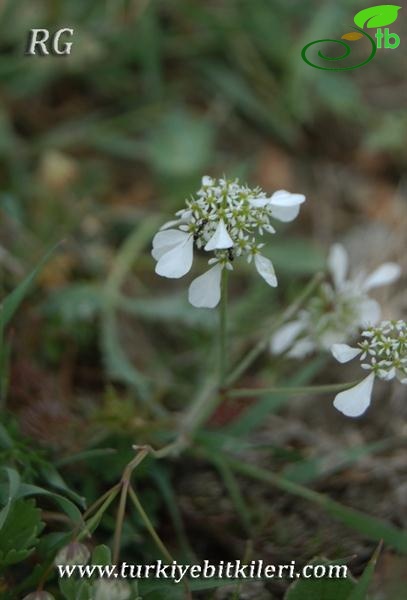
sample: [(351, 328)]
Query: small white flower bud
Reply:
[(106, 589), (73, 554)]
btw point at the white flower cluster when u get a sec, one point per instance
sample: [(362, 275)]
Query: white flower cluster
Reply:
[(383, 352), (338, 311), (225, 218)]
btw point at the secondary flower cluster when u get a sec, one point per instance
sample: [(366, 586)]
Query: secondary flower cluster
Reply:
[(383, 352), (339, 309), (226, 218)]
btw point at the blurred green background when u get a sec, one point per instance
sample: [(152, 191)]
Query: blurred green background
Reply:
[(101, 147)]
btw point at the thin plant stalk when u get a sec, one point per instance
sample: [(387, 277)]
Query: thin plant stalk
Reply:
[(94, 520), (307, 389), (157, 540), (223, 328), (261, 345), (125, 483), (149, 526)]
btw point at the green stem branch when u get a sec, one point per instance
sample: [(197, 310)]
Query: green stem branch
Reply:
[(310, 389), (223, 328), (125, 483), (262, 344), (149, 526)]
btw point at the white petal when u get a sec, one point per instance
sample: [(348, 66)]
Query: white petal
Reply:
[(220, 239), (385, 274), (286, 214), (170, 237), (207, 180), (157, 253), (170, 224), (338, 264), (164, 241), (285, 336), (285, 206), (354, 402), (284, 198), (259, 202), (302, 348), (344, 353), (177, 261), (184, 216), (370, 313), (265, 268), (204, 291), (388, 375)]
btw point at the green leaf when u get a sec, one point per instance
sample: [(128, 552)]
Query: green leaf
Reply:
[(54, 479), (377, 16), (101, 555), (14, 482), (6, 443), (118, 365), (68, 507), (13, 487), (371, 527), (321, 589), (361, 589), (19, 532), (13, 300), (74, 589)]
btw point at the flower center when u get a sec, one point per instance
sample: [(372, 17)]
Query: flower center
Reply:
[(384, 349)]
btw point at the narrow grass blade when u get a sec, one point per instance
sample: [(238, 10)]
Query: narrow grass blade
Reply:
[(371, 527)]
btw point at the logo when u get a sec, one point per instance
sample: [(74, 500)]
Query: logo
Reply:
[(43, 43), (375, 17)]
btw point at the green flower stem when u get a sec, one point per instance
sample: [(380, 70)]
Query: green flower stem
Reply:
[(149, 526), (262, 344), (93, 522), (223, 327), (103, 501), (201, 408), (310, 389), (125, 483), (99, 501), (210, 395), (154, 535)]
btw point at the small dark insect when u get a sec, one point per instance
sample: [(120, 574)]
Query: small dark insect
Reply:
[(199, 229), (230, 255)]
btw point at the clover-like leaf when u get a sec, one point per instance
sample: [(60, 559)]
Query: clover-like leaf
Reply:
[(352, 36), (377, 16), (19, 533)]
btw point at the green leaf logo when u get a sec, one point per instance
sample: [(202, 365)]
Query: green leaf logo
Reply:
[(377, 16)]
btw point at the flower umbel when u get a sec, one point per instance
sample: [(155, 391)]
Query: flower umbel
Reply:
[(225, 218), (337, 312), (383, 352)]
